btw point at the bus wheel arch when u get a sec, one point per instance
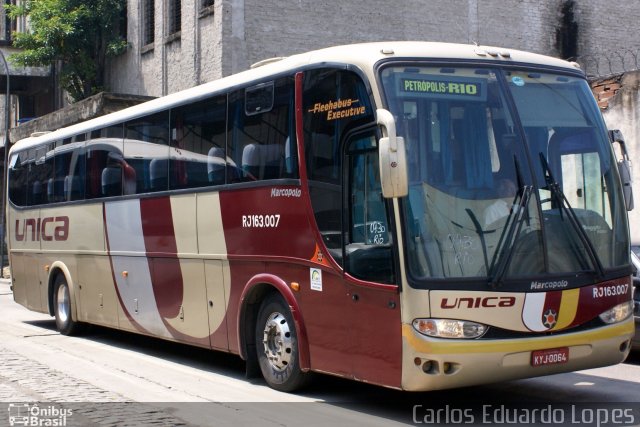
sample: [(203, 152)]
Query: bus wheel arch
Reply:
[(59, 277), (259, 289)]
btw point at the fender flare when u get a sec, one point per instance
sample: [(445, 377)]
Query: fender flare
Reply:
[(280, 286), (60, 267)]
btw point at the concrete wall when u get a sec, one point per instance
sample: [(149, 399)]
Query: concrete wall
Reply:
[(170, 63), (236, 33), (608, 36)]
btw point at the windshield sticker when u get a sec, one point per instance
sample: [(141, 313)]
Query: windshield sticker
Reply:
[(518, 81), (443, 87), (340, 109)]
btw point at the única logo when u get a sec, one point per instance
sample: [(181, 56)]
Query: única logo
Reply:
[(550, 318)]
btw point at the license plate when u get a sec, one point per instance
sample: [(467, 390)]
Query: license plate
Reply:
[(551, 356)]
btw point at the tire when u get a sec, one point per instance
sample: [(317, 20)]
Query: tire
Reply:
[(62, 307), (277, 346)]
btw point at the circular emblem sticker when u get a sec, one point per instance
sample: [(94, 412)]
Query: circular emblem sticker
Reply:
[(518, 81), (550, 318)]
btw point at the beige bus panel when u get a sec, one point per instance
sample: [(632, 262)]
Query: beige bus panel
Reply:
[(210, 231), (192, 321), (37, 296), (85, 228), (17, 277), (23, 229), (218, 280), (26, 283), (183, 209), (97, 297)]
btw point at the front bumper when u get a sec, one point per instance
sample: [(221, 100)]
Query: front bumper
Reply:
[(431, 364)]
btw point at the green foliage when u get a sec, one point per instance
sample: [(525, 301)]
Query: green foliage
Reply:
[(80, 34)]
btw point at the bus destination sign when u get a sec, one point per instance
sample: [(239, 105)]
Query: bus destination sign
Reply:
[(439, 87), (449, 88)]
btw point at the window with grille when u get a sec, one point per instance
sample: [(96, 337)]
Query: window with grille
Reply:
[(206, 7), (149, 22), (175, 16), (122, 23)]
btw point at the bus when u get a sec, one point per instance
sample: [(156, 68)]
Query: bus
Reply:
[(409, 214)]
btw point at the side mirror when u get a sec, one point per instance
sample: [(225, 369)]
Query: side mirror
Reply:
[(624, 168), (393, 158)]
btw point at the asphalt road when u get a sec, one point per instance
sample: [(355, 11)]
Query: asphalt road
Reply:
[(106, 377)]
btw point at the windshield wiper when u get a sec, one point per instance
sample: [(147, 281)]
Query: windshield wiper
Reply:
[(561, 201), (512, 227), (510, 233)]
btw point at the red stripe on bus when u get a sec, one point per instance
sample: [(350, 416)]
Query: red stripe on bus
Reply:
[(552, 301), (596, 299), (160, 239)]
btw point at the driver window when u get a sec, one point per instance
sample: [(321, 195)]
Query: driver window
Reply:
[(368, 240)]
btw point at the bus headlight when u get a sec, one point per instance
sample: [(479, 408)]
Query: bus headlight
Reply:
[(618, 313), (447, 328)]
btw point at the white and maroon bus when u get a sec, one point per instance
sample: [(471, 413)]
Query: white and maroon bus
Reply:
[(414, 215)]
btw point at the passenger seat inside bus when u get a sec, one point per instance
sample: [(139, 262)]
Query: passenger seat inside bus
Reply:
[(262, 161), (55, 190), (36, 193), (112, 184), (111, 181), (73, 189), (158, 174), (216, 165)]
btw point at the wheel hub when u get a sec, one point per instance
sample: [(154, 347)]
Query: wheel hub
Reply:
[(277, 341)]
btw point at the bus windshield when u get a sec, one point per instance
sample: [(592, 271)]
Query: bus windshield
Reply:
[(511, 176)]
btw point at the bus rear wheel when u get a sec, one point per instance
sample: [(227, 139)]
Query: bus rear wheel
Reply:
[(277, 346), (62, 307)]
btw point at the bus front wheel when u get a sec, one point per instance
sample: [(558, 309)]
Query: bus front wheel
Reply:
[(62, 307), (277, 346)]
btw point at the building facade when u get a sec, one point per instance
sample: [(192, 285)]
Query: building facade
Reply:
[(176, 44)]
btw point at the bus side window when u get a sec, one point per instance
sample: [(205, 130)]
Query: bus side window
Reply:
[(59, 162), (40, 172), (73, 183), (197, 153), (99, 147), (262, 131), (18, 173), (335, 101), (368, 248), (145, 166)]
